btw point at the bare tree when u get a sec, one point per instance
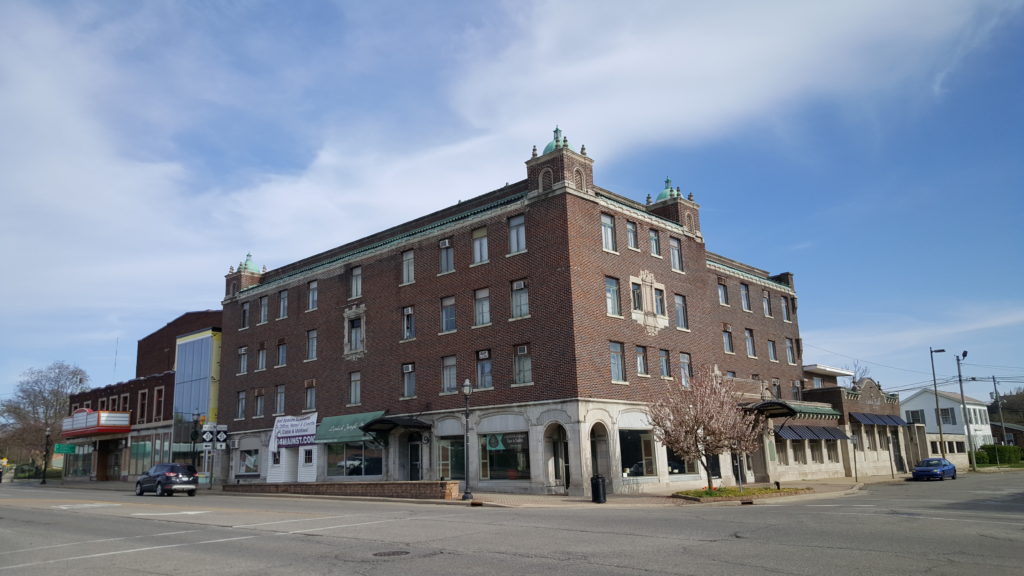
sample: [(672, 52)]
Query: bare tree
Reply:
[(705, 419), (40, 402)]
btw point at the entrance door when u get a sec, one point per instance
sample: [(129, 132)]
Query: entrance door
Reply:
[(415, 443), (560, 450)]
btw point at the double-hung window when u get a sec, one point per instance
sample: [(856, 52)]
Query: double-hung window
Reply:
[(608, 233), (355, 385), (447, 256), (631, 235), (520, 299), (355, 288), (408, 323), (448, 314), (675, 252), (748, 337), (682, 319), (481, 307), (611, 296), (408, 267), (480, 246), (312, 295), (516, 234), (641, 360), (655, 241), (723, 294), (727, 342), (408, 380), (616, 360), (448, 377), (745, 296)]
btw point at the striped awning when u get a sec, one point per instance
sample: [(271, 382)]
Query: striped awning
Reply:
[(877, 419), (810, 433)]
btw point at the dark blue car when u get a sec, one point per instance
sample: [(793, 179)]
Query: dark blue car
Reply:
[(938, 468)]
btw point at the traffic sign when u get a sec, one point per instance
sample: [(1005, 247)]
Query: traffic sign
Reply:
[(207, 436), (222, 436), (221, 446), (63, 448)]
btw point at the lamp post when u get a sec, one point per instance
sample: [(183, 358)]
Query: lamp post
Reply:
[(194, 435), (46, 453), (467, 389), (967, 421), (938, 415)]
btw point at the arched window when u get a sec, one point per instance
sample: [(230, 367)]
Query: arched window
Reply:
[(579, 180), (546, 180)]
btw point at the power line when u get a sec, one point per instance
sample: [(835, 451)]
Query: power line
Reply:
[(855, 359)]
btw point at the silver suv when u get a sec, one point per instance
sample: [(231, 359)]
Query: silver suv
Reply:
[(166, 479)]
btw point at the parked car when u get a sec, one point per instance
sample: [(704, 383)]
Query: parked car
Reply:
[(166, 479), (934, 468)]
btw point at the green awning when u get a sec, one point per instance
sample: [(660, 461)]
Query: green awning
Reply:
[(805, 411), (336, 429)]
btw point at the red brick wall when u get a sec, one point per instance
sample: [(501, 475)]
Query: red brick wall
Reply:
[(424, 490)]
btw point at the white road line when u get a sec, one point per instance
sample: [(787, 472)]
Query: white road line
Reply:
[(66, 544), (294, 520), (185, 512), (119, 552)]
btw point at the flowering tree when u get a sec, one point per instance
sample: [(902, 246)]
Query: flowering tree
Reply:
[(704, 419)]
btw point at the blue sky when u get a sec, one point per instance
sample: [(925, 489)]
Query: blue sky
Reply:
[(872, 148)]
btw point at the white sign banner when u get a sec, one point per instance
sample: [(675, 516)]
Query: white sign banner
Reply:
[(292, 431)]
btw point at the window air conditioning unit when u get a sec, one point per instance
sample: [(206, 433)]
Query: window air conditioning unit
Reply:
[(446, 243), (522, 350), (407, 368), (483, 355), (519, 285), (234, 444), (407, 310)]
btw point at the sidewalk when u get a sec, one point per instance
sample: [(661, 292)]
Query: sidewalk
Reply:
[(821, 488)]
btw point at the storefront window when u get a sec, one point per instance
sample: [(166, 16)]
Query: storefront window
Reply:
[(249, 461), (354, 459), (451, 458), (637, 447), (505, 456), (679, 465)]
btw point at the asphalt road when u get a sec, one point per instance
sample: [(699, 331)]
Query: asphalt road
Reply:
[(972, 525)]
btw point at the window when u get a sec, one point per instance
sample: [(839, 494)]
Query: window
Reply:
[(797, 390), (264, 309), (675, 252), (776, 389), (655, 242), (282, 304), (682, 318), (773, 354), (447, 256), (659, 302), (727, 342), (355, 282), (356, 335), (448, 314), (355, 385), (916, 416), (240, 404), (766, 303), (310, 395), (408, 267), (782, 449), (505, 456), (261, 358), (244, 320), (664, 364), (448, 378), (608, 233), (483, 369), (158, 404), (685, 368), (243, 360), (631, 235), (611, 296), (312, 295), (748, 336), (617, 366), (310, 344), (790, 351), (948, 416), (408, 323), (818, 382), (143, 406), (257, 409), (480, 246), (282, 354), (307, 456), (816, 455), (516, 234), (786, 312), (723, 294), (641, 360), (637, 450), (520, 299), (637, 296), (481, 307), (279, 399), (409, 380), (745, 297), (523, 365)]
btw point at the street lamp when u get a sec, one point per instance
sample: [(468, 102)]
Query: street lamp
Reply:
[(194, 435), (967, 421), (467, 389), (46, 453), (938, 415)]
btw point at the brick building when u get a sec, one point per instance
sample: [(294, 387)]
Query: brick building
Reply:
[(566, 307), (122, 429)]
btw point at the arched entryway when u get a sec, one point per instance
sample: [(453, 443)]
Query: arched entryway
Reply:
[(556, 448), (600, 451)]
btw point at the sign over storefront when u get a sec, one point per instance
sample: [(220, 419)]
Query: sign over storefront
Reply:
[(292, 431)]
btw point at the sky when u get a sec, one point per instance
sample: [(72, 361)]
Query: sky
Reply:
[(874, 149)]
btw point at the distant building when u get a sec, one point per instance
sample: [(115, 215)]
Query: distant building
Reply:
[(951, 440), (122, 429), (565, 306)]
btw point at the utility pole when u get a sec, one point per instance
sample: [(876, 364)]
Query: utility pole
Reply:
[(967, 421), (1001, 421), (938, 413)]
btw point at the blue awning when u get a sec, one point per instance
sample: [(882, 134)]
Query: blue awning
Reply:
[(810, 433), (787, 433)]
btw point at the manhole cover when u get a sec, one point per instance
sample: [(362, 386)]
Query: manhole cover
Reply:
[(391, 553)]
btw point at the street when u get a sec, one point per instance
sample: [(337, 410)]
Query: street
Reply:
[(973, 524)]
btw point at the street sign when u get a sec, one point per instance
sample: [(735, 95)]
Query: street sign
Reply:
[(221, 446), (208, 446), (63, 448), (207, 436), (222, 436)]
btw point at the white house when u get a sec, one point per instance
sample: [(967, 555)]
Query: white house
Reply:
[(952, 439)]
